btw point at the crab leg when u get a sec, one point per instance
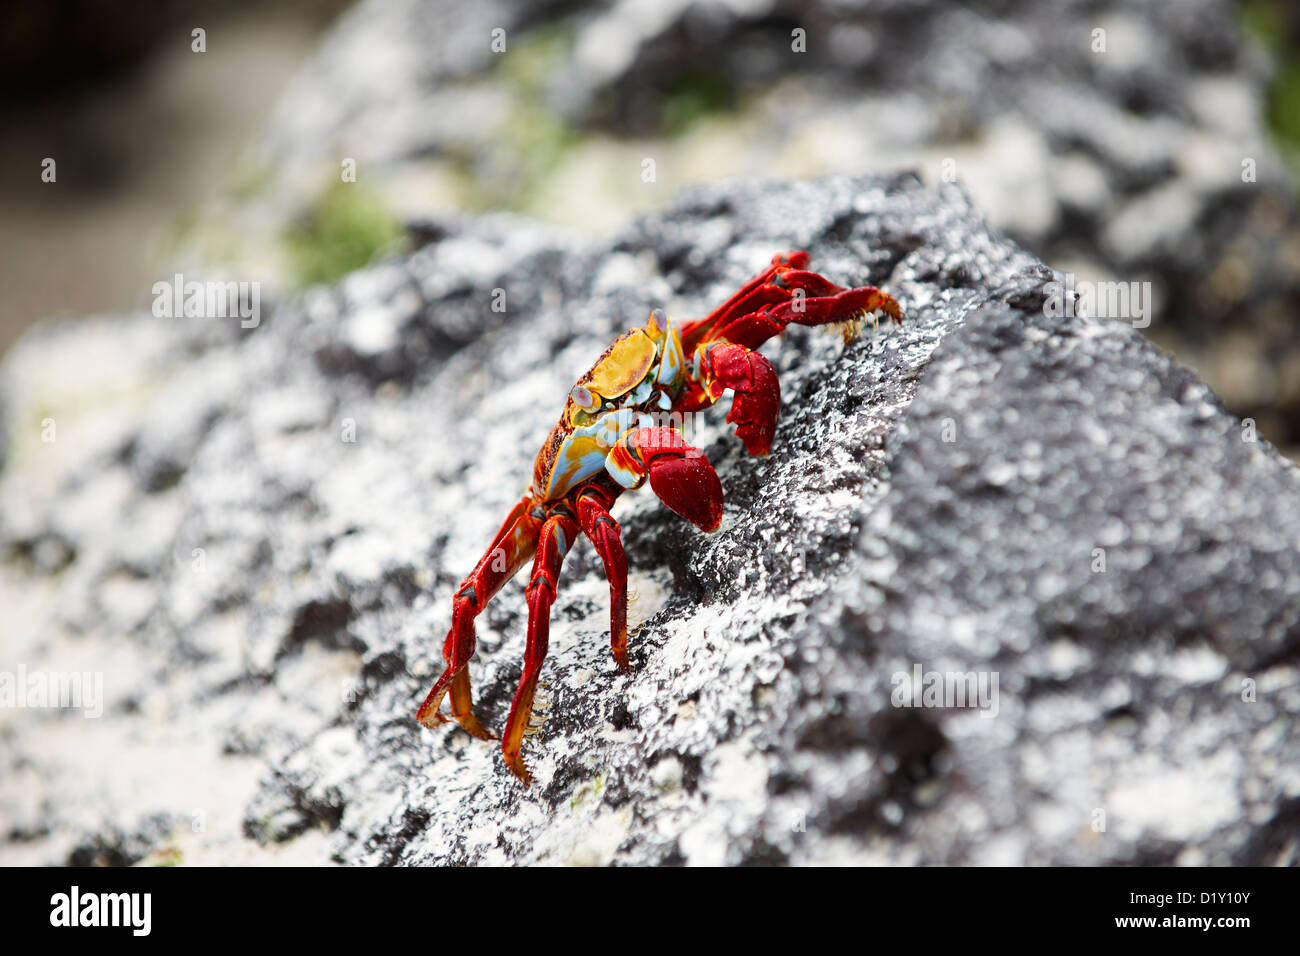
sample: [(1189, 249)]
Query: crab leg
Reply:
[(513, 545), (782, 294), (553, 544), (756, 293), (756, 328), (599, 525)]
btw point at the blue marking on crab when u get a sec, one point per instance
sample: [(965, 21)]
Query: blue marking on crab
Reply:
[(585, 449)]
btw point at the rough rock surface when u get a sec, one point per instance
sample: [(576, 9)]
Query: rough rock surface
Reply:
[(254, 535)]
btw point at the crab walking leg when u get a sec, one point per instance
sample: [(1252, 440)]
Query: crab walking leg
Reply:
[(679, 474), (757, 327), (513, 545), (785, 292), (599, 525), (763, 289), (725, 365), (553, 544)]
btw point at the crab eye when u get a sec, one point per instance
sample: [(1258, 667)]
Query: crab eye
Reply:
[(659, 320), (582, 397)]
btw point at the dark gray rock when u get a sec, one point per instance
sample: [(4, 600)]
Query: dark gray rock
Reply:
[(268, 617), (1075, 513)]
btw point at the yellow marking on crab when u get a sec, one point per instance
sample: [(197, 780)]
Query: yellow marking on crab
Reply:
[(625, 366)]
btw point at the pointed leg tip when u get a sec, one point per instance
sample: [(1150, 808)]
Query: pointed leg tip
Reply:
[(517, 767), (431, 718)]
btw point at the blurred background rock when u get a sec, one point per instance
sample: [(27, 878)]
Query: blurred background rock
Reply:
[(1114, 155)]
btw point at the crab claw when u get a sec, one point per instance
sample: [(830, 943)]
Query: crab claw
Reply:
[(758, 391), (679, 474), (690, 487)]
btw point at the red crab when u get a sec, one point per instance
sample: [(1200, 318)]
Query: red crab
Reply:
[(620, 426)]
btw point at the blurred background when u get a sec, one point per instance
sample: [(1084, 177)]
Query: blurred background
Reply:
[(1148, 140)]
